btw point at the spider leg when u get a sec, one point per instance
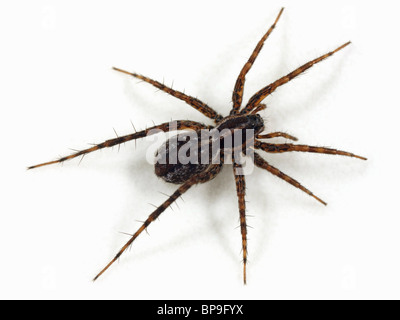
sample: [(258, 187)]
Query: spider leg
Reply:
[(276, 134), (261, 163), (194, 102), (241, 191), (175, 125), (239, 85), (287, 147), (182, 189), (200, 178), (255, 100)]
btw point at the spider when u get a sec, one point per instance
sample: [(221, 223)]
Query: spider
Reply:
[(240, 118)]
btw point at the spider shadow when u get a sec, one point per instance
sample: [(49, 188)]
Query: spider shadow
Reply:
[(176, 242), (224, 214), (229, 70), (307, 97), (140, 168)]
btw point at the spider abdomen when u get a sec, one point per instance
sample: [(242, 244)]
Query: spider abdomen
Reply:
[(179, 158)]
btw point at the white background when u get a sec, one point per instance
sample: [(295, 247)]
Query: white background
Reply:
[(61, 224)]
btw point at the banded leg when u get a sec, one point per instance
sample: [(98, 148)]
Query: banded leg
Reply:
[(181, 190), (241, 191), (261, 163), (264, 92), (174, 125), (237, 95), (287, 147), (200, 178), (194, 102), (275, 135)]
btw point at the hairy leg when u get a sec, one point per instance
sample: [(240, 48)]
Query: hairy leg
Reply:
[(261, 163), (181, 190), (237, 95), (194, 102), (256, 99), (287, 147), (175, 125), (241, 192)]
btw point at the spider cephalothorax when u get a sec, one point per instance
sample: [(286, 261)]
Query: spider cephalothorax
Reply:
[(205, 160)]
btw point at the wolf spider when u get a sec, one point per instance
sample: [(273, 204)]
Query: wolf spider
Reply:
[(240, 118)]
